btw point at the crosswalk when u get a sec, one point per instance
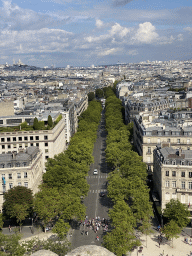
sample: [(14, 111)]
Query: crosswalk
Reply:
[(105, 176), (97, 191)]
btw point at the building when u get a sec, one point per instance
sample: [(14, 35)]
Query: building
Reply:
[(150, 130), (50, 142), (24, 168), (172, 175)]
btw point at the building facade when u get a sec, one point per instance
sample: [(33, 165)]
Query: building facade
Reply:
[(21, 169), (172, 175)]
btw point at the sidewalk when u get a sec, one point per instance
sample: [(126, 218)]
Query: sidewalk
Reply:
[(179, 247)]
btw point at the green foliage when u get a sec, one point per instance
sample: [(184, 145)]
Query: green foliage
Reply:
[(171, 230), (17, 196), (11, 245), (91, 96), (20, 212), (127, 182), (50, 121), (58, 119), (99, 93), (36, 124), (1, 220), (178, 212), (61, 228), (23, 125), (33, 245)]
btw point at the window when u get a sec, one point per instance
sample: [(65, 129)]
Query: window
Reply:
[(2, 139), (46, 144), (37, 144), (24, 164), (14, 139), (148, 140), (173, 184), (46, 150), (167, 173), (19, 184), (31, 144), (10, 185), (182, 174), (31, 137), (25, 138), (45, 137), (158, 141), (9, 165), (3, 146), (2, 166), (167, 183), (168, 140), (182, 163), (18, 175), (46, 157), (190, 185), (8, 139), (178, 140), (37, 137), (26, 184), (14, 146), (26, 145), (183, 184), (10, 176), (9, 146), (149, 150), (20, 138), (173, 163), (190, 174), (188, 148), (188, 141), (17, 164), (20, 145), (25, 174), (173, 173)]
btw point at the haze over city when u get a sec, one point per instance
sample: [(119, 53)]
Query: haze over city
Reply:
[(85, 32)]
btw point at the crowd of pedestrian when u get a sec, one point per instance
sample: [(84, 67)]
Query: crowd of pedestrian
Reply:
[(95, 224)]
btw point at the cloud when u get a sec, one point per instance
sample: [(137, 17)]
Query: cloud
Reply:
[(121, 2), (146, 33), (108, 52), (99, 23), (117, 29), (189, 29)]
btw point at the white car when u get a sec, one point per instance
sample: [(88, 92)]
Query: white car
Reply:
[(95, 172)]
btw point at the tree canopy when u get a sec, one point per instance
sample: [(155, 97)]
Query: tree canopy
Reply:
[(178, 212)]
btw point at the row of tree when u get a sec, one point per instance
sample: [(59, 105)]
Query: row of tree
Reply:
[(64, 183), (127, 186)]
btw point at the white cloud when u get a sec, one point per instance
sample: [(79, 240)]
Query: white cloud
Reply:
[(188, 29), (180, 37), (117, 29), (132, 52), (121, 2), (146, 33), (99, 23), (108, 52)]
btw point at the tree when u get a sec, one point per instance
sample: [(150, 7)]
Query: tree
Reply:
[(36, 124), (61, 228), (91, 96), (178, 212), (1, 221), (99, 93), (145, 228), (50, 121), (171, 230), (20, 212), (17, 196)]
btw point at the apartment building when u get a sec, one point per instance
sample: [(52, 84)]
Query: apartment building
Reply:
[(172, 175), (24, 168), (50, 142), (151, 130)]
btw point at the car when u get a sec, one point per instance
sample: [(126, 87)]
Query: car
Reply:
[(95, 172), (102, 194)]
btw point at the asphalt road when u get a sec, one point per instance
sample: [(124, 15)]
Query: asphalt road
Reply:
[(96, 205)]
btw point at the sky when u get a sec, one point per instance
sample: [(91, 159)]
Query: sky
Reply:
[(94, 32)]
